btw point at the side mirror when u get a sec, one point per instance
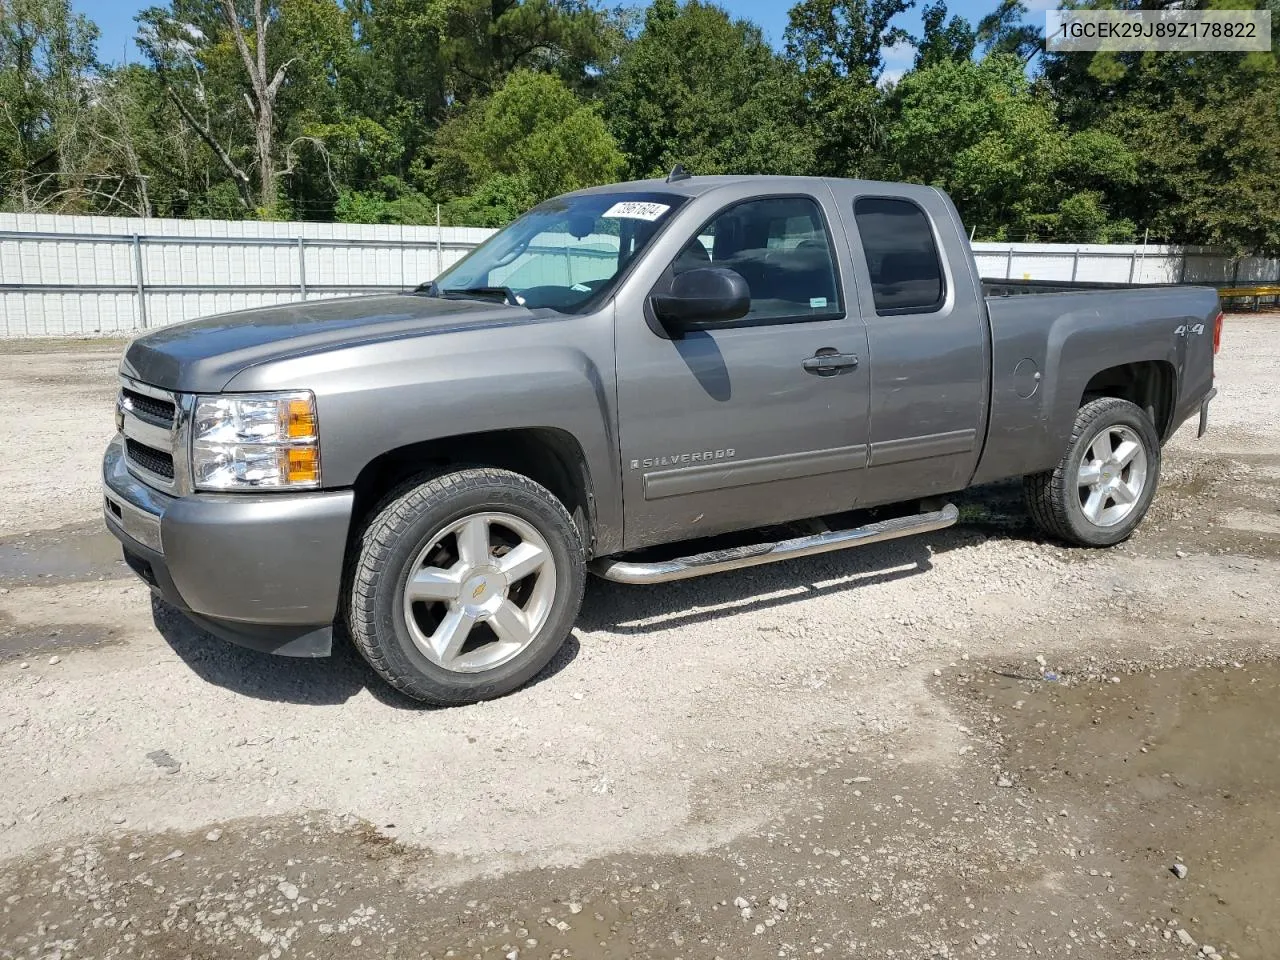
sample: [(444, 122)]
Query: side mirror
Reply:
[(704, 295)]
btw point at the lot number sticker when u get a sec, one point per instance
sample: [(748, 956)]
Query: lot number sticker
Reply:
[(637, 210)]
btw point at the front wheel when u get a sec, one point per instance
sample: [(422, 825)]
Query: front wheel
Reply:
[(1103, 485), (466, 585)]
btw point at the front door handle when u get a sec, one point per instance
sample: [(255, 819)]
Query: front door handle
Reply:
[(828, 362)]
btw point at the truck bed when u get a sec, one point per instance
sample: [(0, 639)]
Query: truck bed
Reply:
[(1051, 338)]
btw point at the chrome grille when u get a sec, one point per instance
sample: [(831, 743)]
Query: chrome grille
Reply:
[(159, 412), (152, 422), (150, 459)]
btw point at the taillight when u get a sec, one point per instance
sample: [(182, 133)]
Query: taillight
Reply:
[(1217, 333)]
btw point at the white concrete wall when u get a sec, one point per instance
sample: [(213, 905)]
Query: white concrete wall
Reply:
[(78, 276)]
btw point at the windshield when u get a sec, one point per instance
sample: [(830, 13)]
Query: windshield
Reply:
[(562, 253)]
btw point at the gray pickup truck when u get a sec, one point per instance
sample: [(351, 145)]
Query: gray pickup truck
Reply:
[(650, 381)]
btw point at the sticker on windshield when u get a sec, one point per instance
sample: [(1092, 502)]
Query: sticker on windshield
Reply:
[(817, 303), (637, 210)]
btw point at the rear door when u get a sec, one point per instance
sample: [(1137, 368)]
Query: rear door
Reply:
[(927, 339), (726, 427)]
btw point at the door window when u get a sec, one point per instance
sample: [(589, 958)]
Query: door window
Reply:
[(781, 247), (902, 258)]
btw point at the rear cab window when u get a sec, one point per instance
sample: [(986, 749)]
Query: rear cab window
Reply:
[(902, 256)]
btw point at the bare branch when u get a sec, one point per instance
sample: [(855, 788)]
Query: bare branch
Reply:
[(291, 157), (240, 177), (260, 34), (36, 182), (232, 18), (274, 87)]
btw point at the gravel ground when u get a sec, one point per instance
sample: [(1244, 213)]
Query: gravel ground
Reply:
[(857, 754)]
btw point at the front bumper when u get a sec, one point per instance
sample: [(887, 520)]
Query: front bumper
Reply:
[(263, 571)]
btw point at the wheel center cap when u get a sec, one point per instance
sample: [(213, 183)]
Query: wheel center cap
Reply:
[(481, 588)]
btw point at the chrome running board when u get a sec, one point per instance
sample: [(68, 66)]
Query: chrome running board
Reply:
[(718, 561)]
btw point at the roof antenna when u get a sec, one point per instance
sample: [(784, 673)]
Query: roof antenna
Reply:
[(678, 173)]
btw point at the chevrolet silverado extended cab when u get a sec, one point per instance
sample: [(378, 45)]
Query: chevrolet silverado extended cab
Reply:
[(651, 381)]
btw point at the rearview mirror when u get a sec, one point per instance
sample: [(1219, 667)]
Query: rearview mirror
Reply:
[(704, 295), (581, 227)]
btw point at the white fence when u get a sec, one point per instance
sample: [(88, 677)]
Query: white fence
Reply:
[(78, 276), (1120, 263), (84, 276)]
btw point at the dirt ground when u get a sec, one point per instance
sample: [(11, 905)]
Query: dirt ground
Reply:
[(973, 744)]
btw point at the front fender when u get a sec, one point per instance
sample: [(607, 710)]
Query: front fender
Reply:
[(377, 397)]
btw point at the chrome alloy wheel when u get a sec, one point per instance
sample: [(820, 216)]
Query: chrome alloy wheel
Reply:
[(1112, 476), (479, 592)]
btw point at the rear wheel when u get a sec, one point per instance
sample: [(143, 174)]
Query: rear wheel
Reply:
[(1101, 489), (466, 585)]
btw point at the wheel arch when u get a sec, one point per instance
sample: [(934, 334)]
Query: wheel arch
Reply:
[(1148, 384), (550, 456)]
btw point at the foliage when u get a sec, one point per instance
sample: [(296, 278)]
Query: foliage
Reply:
[(1205, 128), (943, 40), (380, 110), (701, 89), (46, 53), (836, 46), (983, 132), (531, 140)]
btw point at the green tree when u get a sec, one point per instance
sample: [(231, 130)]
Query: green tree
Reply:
[(416, 64), (247, 79), (533, 139), (1206, 130), (483, 41), (941, 39), (47, 70), (984, 133), (1003, 31), (1210, 162), (699, 88), (836, 46), (126, 150)]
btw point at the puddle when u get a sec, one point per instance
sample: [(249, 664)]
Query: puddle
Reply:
[(1178, 766), (997, 509), (857, 855), (70, 554), (21, 642)]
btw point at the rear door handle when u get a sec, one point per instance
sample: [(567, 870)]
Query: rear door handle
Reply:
[(827, 362)]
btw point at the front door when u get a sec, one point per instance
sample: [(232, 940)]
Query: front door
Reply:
[(736, 426)]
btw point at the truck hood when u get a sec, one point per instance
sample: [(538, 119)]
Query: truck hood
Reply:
[(203, 355)]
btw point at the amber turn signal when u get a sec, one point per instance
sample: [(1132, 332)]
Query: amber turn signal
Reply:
[(301, 419)]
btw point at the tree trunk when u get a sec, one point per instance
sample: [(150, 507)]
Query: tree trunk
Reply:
[(262, 100), (266, 159)]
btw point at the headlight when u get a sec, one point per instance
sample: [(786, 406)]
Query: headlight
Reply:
[(256, 440)]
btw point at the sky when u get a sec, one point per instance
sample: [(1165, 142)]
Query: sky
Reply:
[(115, 20)]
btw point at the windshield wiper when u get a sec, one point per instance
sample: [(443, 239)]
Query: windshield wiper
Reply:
[(496, 294)]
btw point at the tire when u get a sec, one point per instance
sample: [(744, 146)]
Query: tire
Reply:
[(1093, 502), (497, 569)]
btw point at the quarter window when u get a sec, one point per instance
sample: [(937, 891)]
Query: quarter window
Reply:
[(902, 258), (781, 248)]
